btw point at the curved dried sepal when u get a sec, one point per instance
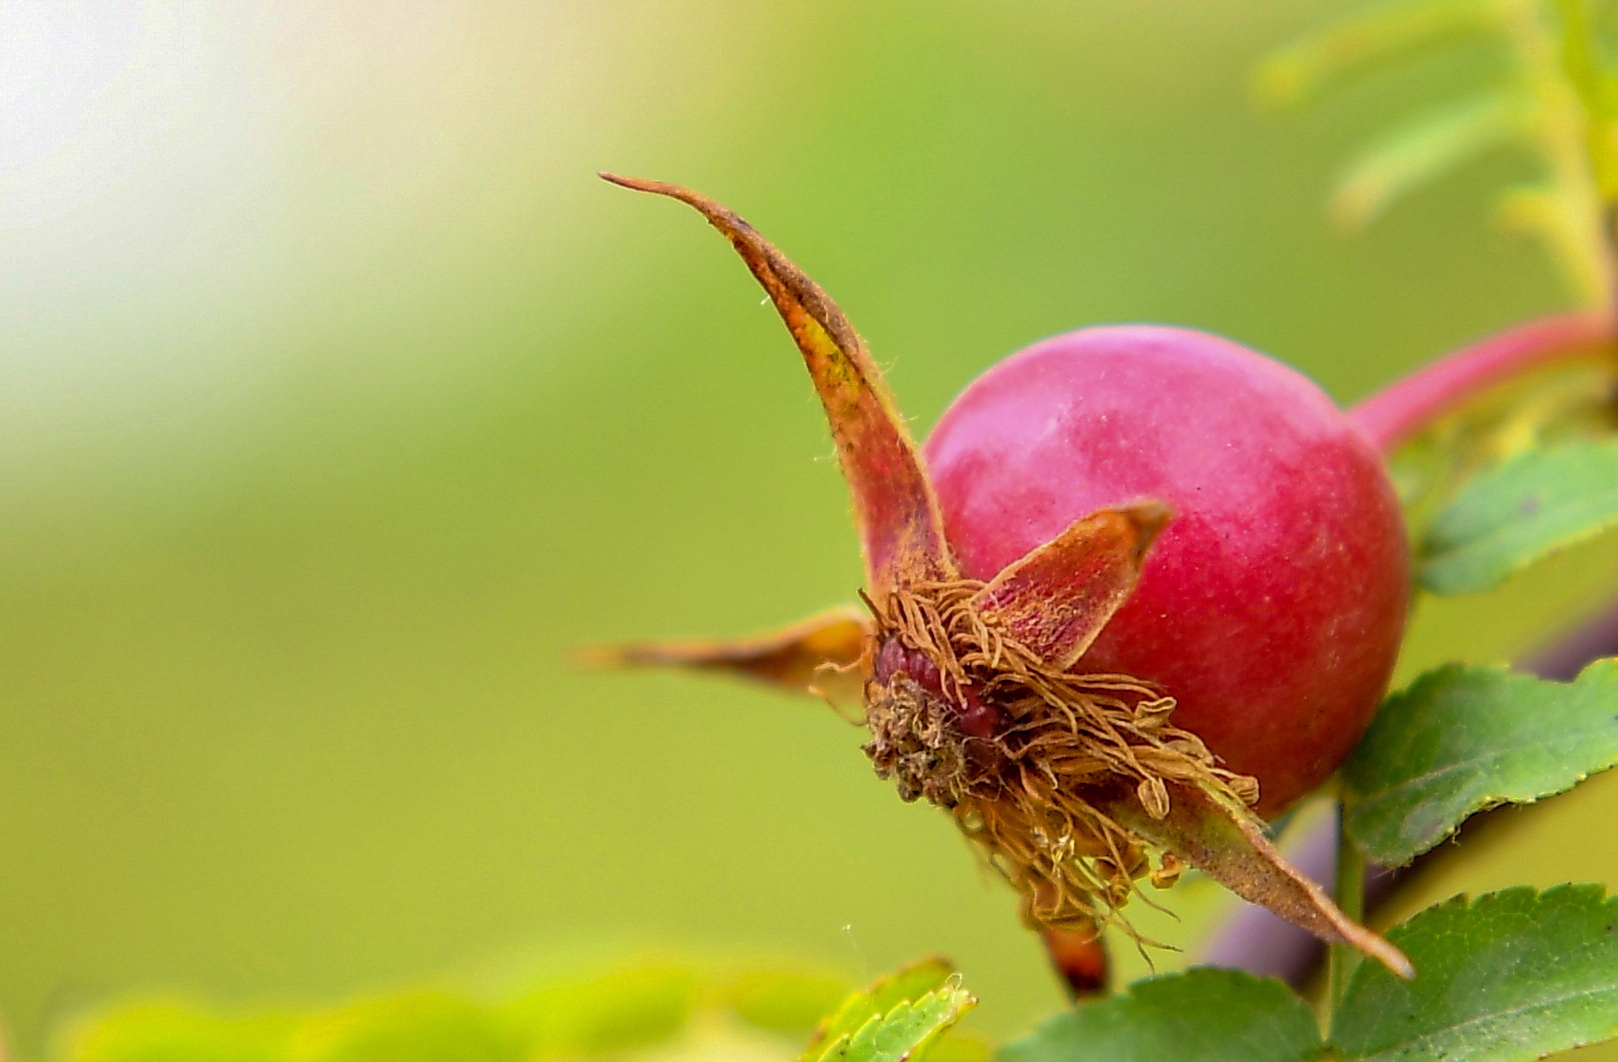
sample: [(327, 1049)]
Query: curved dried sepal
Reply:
[(899, 523), (1225, 841), (1057, 598), (822, 655)]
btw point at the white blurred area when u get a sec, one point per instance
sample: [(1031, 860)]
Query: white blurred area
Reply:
[(209, 210), (143, 204)]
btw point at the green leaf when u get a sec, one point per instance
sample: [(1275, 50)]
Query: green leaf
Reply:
[(906, 1031), (912, 982), (605, 1014), (1519, 512), (1461, 739), (897, 1018), (423, 1027), (1205, 1015), (163, 1032), (1417, 154), (1306, 67), (1510, 976)]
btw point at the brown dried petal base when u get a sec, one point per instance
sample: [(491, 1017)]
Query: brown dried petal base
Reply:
[(1029, 793)]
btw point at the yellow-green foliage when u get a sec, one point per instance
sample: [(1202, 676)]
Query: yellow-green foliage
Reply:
[(1556, 102), (662, 1011)]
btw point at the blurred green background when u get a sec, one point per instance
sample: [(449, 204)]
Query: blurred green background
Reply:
[(338, 399)]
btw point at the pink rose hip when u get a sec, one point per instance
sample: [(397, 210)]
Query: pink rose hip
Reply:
[(1145, 586), (1272, 605)]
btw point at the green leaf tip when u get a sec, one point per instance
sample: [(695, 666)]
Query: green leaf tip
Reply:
[(900, 1018), (1461, 739), (1520, 512), (1314, 63), (1424, 151), (1514, 975)]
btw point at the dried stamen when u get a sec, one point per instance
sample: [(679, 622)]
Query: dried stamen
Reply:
[(1025, 756)]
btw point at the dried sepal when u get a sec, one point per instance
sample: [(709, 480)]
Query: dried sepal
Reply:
[(1224, 840), (899, 523), (822, 655), (1059, 597)]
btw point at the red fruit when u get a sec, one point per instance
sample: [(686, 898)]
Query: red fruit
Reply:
[(1034, 666), (1271, 606)]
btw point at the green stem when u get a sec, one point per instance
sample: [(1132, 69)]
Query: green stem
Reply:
[(1350, 899), (1566, 133)]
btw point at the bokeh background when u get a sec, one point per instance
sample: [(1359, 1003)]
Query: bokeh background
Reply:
[(338, 400)]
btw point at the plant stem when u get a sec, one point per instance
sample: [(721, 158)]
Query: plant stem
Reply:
[(1405, 408), (1350, 897), (1548, 43)]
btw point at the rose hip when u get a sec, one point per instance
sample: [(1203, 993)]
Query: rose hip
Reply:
[(1145, 582), (1272, 605)]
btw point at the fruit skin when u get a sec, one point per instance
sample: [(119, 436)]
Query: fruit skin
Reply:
[(1272, 606)]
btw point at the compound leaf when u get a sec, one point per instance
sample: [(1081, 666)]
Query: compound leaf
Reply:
[(1519, 512), (1461, 739), (1511, 976), (1205, 1015)]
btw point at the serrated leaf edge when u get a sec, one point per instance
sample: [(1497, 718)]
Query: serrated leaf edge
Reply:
[(1479, 903), (1353, 798)]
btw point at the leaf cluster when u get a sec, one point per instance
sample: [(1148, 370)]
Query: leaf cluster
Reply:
[(1556, 101), (664, 1011), (632, 1010), (1514, 975)]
